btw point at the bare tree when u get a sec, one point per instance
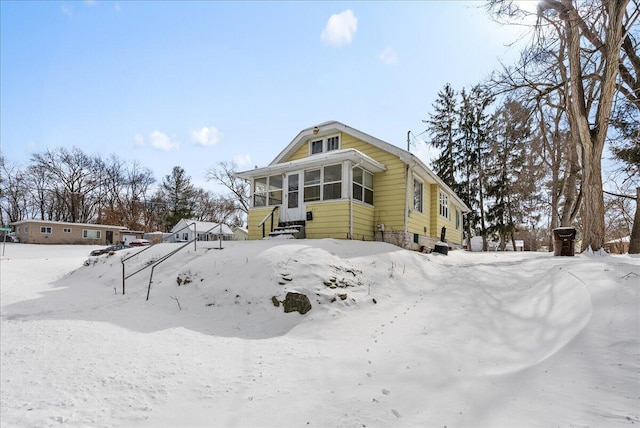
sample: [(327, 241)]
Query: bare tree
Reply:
[(225, 174), (593, 32), (13, 193)]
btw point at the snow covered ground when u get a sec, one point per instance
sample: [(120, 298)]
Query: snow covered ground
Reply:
[(464, 340)]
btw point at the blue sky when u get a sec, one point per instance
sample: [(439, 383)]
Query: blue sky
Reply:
[(195, 83)]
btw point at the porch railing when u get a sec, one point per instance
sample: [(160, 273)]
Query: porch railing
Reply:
[(267, 217)]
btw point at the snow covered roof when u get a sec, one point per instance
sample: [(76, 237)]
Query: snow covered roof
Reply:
[(202, 227)]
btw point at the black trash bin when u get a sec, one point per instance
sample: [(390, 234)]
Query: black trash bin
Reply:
[(441, 247), (564, 241)]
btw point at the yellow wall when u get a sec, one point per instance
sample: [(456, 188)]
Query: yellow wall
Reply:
[(437, 221), (330, 220), (255, 216), (388, 186), (363, 221)]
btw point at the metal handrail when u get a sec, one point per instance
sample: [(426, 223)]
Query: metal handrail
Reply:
[(124, 259), (265, 219), (162, 259)]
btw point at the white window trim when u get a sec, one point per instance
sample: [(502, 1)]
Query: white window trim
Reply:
[(267, 192), (47, 230), (443, 196), (413, 195), (66, 230), (325, 142), (354, 183)]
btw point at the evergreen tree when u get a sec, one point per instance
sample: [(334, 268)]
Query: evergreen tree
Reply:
[(506, 161), (179, 195), (472, 144), (443, 129)]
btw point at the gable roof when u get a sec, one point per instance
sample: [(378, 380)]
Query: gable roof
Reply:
[(333, 126)]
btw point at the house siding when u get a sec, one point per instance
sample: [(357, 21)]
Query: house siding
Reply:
[(29, 233), (389, 187), (330, 220), (363, 222), (255, 216), (453, 236)]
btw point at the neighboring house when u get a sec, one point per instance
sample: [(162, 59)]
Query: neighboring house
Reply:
[(240, 234), (58, 232), (338, 182), (183, 231), (618, 246)]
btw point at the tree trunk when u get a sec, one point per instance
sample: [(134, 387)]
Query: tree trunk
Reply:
[(592, 140), (634, 244)]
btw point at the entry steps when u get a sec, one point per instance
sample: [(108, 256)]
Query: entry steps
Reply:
[(289, 230)]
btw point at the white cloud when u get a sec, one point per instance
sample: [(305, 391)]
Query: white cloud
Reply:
[(162, 141), (242, 160), (139, 139), (207, 136), (388, 56), (340, 28), (117, 7)]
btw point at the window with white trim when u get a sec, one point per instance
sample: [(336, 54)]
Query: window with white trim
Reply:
[(67, 230), (91, 234), (418, 195), (45, 229), (458, 218), (323, 145), (267, 191), (362, 185), (443, 204), (333, 143), (316, 146), (332, 182), (312, 185), (323, 184)]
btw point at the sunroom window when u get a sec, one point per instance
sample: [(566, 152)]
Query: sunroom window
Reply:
[(312, 185), (267, 191), (332, 182), (363, 185)]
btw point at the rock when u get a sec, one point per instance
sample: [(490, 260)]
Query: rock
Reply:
[(275, 301), (296, 302), (342, 296)]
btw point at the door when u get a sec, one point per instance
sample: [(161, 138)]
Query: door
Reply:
[(292, 206), (109, 237)]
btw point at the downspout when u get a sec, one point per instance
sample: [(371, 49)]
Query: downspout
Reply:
[(406, 190)]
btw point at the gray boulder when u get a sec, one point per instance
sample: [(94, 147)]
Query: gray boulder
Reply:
[(296, 302)]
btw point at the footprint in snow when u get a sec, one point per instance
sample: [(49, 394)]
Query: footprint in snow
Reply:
[(395, 412), (386, 392)]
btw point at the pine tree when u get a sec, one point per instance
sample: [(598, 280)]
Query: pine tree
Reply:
[(179, 195), (443, 129), (472, 147), (506, 161)]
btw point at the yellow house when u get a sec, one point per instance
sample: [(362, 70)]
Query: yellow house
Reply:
[(334, 181)]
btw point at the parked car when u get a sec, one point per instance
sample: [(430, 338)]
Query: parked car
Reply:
[(109, 249), (139, 242)]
